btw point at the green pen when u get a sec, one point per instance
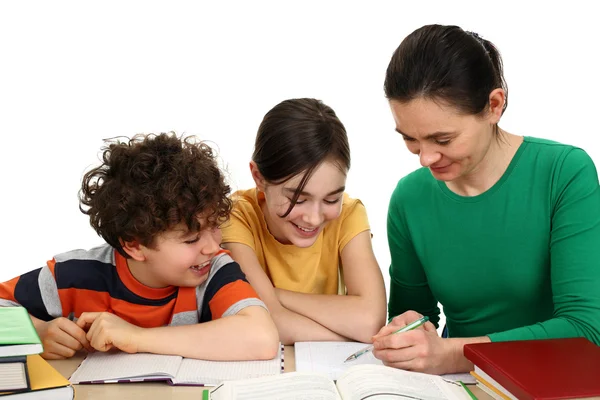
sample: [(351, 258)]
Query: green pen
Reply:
[(409, 327)]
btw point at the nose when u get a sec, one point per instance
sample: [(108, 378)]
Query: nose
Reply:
[(313, 216), (428, 157), (212, 244)]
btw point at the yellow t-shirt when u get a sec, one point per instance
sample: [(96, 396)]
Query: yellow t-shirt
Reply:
[(307, 270)]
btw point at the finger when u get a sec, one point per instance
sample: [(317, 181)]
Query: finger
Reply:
[(59, 350), (398, 340), (87, 318), (429, 327), (405, 354), (405, 318), (99, 341), (75, 332)]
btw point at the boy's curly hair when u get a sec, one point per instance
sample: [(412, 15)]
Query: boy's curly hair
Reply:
[(150, 183)]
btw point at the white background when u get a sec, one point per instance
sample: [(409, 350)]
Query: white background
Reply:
[(73, 73)]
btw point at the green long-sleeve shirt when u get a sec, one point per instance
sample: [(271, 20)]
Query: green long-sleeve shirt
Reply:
[(520, 261)]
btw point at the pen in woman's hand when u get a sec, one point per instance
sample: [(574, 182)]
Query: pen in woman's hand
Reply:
[(409, 327)]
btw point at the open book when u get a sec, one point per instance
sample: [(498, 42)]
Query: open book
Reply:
[(118, 367), (356, 383)]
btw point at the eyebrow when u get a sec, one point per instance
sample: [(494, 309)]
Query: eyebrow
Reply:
[(433, 135), (303, 193)]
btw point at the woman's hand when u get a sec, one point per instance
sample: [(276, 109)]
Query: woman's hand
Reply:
[(420, 349)]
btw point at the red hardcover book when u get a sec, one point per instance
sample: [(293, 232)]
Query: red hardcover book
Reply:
[(541, 369)]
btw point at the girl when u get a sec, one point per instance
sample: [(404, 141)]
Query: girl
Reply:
[(299, 238)]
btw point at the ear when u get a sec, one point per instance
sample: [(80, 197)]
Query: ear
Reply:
[(496, 101), (259, 180), (134, 249)]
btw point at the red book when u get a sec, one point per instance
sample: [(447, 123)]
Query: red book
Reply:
[(541, 369)]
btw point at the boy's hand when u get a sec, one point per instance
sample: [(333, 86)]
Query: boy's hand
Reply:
[(106, 330), (61, 338)]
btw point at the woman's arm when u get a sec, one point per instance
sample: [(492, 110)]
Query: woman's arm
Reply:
[(574, 256), (292, 327), (361, 313)]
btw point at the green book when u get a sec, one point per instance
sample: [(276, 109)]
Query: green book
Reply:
[(18, 336)]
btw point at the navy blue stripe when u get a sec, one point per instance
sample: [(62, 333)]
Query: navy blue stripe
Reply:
[(27, 294), (100, 277), (227, 274)]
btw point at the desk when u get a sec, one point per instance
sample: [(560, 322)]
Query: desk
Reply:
[(151, 391)]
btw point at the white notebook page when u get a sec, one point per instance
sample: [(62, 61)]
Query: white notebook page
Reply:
[(111, 366), (328, 357), (215, 372)]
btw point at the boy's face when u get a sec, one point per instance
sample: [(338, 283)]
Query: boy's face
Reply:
[(180, 257)]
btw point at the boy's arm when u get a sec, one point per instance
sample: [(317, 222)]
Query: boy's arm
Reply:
[(292, 327), (361, 313), (248, 335)]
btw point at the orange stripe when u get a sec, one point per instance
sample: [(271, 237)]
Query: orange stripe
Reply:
[(79, 301), (228, 295), (7, 289)]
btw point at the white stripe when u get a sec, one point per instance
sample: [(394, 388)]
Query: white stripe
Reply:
[(240, 305), (49, 292)]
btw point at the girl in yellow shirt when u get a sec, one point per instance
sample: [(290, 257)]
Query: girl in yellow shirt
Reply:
[(299, 238)]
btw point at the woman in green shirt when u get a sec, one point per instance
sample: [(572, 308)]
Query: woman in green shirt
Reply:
[(502, 230)]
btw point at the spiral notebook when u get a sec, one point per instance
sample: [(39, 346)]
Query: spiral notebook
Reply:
[(119, 367)]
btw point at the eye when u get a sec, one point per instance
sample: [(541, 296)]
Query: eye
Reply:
[(333, 201), (192, 241), (408, 139), (442, 142), (297, 201)]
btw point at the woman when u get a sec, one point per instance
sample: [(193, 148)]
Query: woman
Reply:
[(503, 230), (297, 233)]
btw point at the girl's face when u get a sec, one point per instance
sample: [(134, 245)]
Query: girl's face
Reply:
[(452, 145), (320, 202)]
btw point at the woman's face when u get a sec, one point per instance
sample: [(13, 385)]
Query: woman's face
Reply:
[(320, 202), (451, 144)]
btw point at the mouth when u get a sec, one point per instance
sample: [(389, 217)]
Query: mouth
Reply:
[(201, 269), (306, 231), (440, 169)]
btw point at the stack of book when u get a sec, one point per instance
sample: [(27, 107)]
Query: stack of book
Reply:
[(537, 369), (24, 374)]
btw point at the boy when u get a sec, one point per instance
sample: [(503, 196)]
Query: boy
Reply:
[(161, 283)]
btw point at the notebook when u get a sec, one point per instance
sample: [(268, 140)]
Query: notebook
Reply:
[(539, 369), (119, 367), (46, 383), (13, 374), (328, 358), (366, 381), (18, 336)]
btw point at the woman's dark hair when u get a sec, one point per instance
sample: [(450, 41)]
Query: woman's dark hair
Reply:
[(296, 136), (448, 64), (148, 184)]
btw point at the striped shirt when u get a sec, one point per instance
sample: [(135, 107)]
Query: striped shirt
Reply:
[(99, 280)]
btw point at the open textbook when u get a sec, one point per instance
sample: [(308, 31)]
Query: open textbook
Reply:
[(118, 367), (359, 382), (328, 358)]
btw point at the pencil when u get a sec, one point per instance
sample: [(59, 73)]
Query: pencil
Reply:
[(409, 327)]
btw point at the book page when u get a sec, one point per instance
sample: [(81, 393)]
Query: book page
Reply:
[(372, 381), (328, 357), (113, 366), (205, 372), (288, 386)]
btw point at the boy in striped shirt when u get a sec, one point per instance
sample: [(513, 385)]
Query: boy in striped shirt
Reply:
[(161, 283)]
